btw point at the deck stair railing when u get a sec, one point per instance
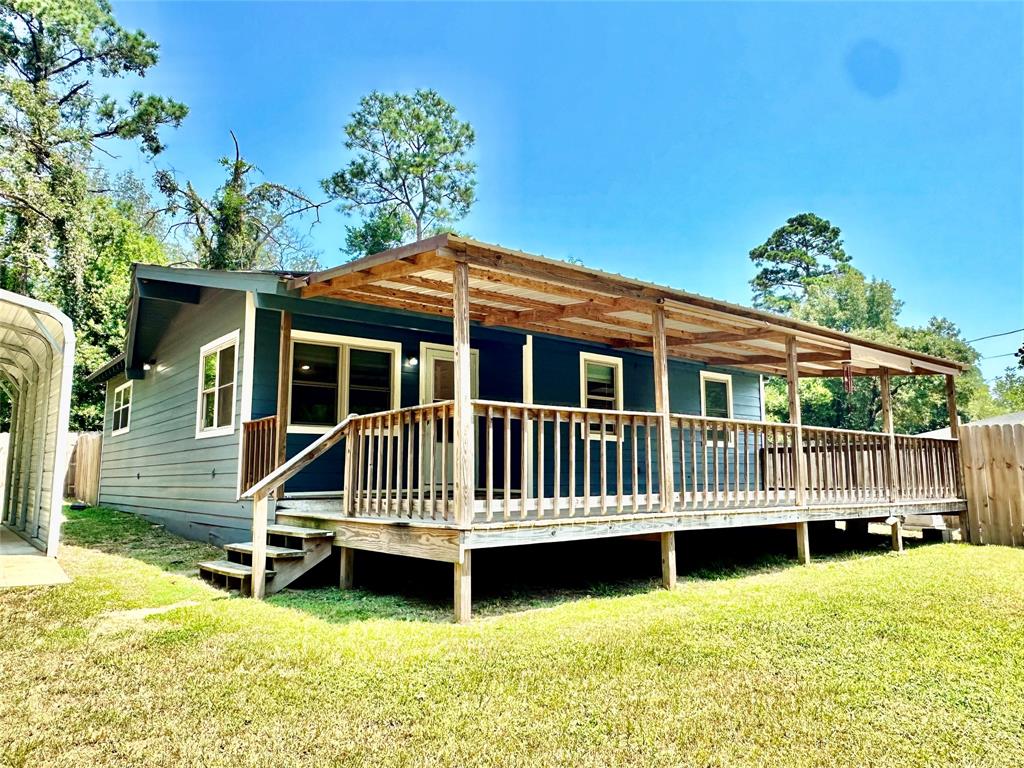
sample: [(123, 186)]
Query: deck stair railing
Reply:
[(259, 449)]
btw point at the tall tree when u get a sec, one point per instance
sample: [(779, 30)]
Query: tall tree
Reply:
[(1009, 391), (805, 248), (52, 122), (246, 224), (410, 161), (833, 293)]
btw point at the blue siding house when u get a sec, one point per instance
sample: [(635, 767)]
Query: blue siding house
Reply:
[(451, 395)]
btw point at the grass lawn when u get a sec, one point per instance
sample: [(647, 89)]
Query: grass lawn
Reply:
[(860, 659)]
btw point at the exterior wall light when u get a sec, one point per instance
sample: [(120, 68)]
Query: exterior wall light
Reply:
[(412, 362)]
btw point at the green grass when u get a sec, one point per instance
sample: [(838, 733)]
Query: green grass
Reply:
[(863, 659)]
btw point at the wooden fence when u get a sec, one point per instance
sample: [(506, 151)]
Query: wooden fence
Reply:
[(993, 462), (82, 481)]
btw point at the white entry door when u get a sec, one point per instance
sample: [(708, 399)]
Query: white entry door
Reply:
[(437, 383)]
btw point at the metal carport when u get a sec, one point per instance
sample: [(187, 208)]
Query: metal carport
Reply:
[(37, 354)]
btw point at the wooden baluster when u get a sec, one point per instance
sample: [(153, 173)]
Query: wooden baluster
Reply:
[(409, 466), (541, 490), (716, 435), (586, 463), (507, 473), (604, 464), (489, 470), (421, 464), (682, 467), (393, 464), (648, 464), (747, 465), (693, 464), (619, 442), (572, 463), (524, 475), (556, 456), (371, 466), (444, 463)]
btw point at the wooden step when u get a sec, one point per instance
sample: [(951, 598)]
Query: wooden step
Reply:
[(298, 532), (226, 568), (274, 553)]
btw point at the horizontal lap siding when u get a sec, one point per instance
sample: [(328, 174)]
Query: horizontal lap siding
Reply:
[(556, 382), (159, 469), (556, 366), (500, 369)]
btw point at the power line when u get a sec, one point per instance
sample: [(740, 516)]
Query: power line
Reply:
[(994, 335), (993, 357)]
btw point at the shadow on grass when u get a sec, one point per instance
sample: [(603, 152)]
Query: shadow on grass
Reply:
[(506, 580), (127, 535), (516, 579)]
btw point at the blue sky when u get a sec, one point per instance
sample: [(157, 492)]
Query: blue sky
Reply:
[(659, 141)]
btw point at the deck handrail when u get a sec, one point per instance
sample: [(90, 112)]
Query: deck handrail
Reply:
[(299, 461)]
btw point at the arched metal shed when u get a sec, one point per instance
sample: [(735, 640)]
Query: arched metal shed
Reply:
[(37, 354)]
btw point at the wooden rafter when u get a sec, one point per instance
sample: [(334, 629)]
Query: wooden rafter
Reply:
[(389, 271), (417, 281)]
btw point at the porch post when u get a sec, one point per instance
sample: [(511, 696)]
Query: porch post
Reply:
[(666, 479), (954, 432), (259, 546), (803, 539), (954, 416), (890, 439), (462, 429), (799, 460), (284, 373), (462, 434)]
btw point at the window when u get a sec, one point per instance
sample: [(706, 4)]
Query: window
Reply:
[(716, 395), (601, 387), (217, 363), (122, 414), (716, 401), (314, 384), (333, 376)]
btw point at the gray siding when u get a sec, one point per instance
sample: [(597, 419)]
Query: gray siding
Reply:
[(159, 469)]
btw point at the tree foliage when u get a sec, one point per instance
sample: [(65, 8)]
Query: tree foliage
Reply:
[(833, 293), (245, 224), (410, 172), (805, 248), (64, 237), (52, 122), (1009, 391)]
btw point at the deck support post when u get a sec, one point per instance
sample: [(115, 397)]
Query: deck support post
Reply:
[(803, 544), (284, 373), (463, 590), (668, 559), (954, 432), (462, 430), (897, 536), (799, 459), (346, 570), (890, 439), (259, 546), (661, 405)]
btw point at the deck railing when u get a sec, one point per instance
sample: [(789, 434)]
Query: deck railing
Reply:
[(544, 462), (259, 450)]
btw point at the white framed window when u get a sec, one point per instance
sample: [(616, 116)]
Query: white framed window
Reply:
[(334, 376), (121, 415), (437, 372), (601, 388), (716, 402), (716, 395), (218, 364)]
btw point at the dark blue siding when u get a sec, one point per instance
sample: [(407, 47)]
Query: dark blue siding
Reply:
[(556, 366)]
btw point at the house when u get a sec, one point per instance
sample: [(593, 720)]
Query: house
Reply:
[(451, 395)]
